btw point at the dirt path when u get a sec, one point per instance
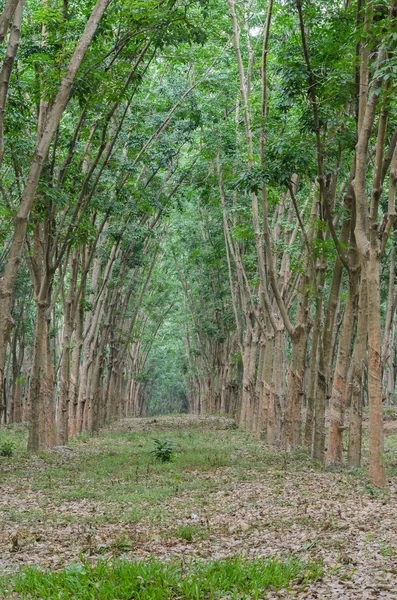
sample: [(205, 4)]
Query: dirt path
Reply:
[(256, 504)]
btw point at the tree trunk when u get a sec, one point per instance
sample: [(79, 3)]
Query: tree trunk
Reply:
[(376, 461), (36, 425), (313, 377), (360, 348), (337, 404), (75, 372), (292, 433)]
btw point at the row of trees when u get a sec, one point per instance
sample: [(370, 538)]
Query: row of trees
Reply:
[(198, 208), (90, 168), (301, 173)]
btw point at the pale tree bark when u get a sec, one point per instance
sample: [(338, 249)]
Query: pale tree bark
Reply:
[(63, 400), (338, 394), (91, 333), (357, 382), (375, 368), (313, 375), (40, 380), (368, 244), (326, 342), (36, 424), (48, 419), (256, 428), (387, 348), (292, 430), (244, 93), (265, 410), (76, 358), (388, 334), (276, 407)]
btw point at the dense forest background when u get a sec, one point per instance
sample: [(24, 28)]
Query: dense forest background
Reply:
[(197, 214)]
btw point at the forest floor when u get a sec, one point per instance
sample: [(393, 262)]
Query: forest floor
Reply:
[(225, 494)]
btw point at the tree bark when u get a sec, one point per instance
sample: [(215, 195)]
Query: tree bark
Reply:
[(338, 394), (357, 383)]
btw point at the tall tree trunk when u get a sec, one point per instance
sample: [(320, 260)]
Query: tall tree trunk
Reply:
[(63, 400), (75, 372), (313, 378), (360, 348), (36, 425), (375, 368), (292, 432), (48, 390), (338, 394)]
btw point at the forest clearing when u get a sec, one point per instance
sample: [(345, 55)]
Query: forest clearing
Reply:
[(198, 299), (225, 494)]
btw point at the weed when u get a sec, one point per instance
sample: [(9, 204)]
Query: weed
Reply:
[(122, 544), (7, 448), (190, 532), (164, 450)]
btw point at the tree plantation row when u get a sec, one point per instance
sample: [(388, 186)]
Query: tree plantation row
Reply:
[(197, 213)]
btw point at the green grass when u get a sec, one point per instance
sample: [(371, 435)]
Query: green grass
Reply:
[(154, 580), (189, 533), (118, 469)]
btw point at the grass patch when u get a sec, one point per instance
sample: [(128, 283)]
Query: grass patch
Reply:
[(156, 580), (190, 533)]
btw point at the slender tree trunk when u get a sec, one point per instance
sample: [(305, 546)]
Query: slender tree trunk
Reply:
[(338, 397), (388, 336), (36, 429), (63, 400), (48, 390), (277, 387), (327, 337), (75, 372), (360, 348), (375, 368), (17, 416), (313, 376), (259, 387), (246, 390), (266, 421), (292, 432)]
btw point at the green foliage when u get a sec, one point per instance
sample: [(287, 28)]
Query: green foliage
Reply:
[(164, 450), (7, 448), (235, 577)]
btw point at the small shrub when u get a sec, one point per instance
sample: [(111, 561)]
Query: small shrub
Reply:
[(7, 448), (164, 450)]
